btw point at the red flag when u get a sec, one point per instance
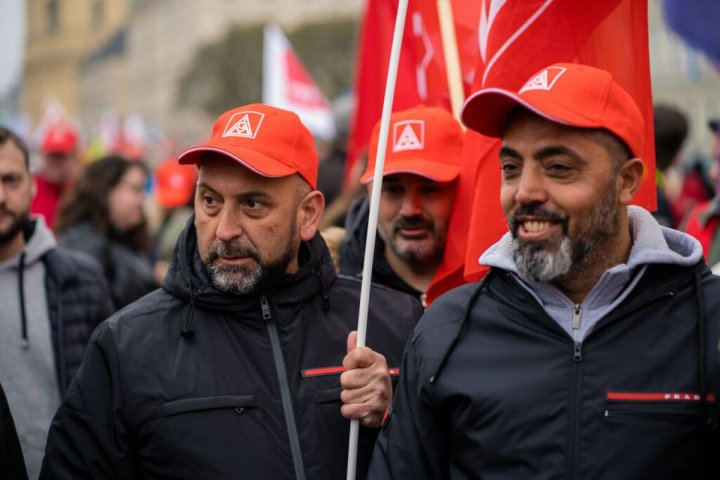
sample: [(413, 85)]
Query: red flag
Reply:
[(515, 39), (421, 74)]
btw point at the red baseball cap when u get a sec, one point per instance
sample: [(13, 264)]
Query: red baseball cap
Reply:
[(175, 183), (424, 141), (565, 93), (270, 141), (60, 138)]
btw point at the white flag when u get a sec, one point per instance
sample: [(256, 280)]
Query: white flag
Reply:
[(287, 84)]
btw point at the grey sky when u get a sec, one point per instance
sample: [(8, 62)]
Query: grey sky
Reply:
[(12, 39)]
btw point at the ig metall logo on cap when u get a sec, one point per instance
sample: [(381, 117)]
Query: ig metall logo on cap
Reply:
[(409, 135), (244, 124), (544, 80)]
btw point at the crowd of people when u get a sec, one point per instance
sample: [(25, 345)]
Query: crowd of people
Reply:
[(221, 342)]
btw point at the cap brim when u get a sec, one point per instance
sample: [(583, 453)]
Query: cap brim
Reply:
[(255, 161), (487, 112), (435, 171)]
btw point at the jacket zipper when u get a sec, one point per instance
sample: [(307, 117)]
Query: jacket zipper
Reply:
[(575, 392), (284, 390)]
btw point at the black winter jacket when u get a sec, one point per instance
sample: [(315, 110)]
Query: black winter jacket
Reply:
[(500, 391), (12, 464), (192, 383)]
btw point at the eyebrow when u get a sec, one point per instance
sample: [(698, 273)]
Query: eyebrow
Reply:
[(240, 195), (546, 152)]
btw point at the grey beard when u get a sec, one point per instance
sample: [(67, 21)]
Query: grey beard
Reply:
[(535, 264)]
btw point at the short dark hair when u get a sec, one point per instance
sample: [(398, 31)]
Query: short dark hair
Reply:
[(671, 128), (617, 149), (7, 135)]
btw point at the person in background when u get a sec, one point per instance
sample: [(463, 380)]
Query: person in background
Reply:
[(59, 166), (244, 364), (419, 181), (104, 216), (12, 464), (671, 128), (702, 221), (175, 195), (51, 298), (590, 348)]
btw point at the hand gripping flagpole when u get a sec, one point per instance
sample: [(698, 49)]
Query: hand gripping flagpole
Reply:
[(374, 207)]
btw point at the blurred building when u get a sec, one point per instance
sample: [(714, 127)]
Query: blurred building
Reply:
[(125, 57), (60, 34), (683, 77)]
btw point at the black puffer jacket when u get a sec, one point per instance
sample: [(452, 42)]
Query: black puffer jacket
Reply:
[(77, 299), (12, 464), (193, 383), (493, 388), (129, 273)]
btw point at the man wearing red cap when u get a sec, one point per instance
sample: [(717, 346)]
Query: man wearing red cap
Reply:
[(422, 163), (58, 168), (590, 348), (243, 365)]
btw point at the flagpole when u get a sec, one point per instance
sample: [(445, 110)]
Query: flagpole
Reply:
[(452, 59), (374, 207)]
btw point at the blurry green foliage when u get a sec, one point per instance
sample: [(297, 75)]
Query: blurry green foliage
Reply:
[(228, 73)]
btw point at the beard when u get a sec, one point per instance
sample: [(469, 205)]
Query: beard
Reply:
[(252, 278), (423, 252), (17, 226), (540, 262)]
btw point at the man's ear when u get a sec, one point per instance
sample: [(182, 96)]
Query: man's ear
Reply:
[(629, 177), (309, 213)]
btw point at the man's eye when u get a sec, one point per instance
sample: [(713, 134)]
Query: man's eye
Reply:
[(509, 169), (558, 169), (253, 204), (12, 181), (209, 201)]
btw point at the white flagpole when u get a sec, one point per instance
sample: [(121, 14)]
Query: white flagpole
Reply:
[(374, 207), (452, 59)]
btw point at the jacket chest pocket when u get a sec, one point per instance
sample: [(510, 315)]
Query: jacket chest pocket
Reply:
[(234, 403)]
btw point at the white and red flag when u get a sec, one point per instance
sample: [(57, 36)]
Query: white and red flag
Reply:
[(287, 84)]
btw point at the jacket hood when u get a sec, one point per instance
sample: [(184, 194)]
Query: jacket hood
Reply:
[(187, 278), (652, 244), (39, 240)]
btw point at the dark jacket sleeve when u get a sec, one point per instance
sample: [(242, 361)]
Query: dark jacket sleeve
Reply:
[(12, 463), (411, 443), (88, 437)]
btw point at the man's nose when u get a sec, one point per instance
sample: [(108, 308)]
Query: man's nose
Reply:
[(411, 205), (229, 225), (531, 188)]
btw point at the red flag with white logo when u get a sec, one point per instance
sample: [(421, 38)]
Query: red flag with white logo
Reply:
[(517, 38), (287, 84)]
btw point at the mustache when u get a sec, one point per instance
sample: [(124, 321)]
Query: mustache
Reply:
[(232, 248), (535, 210), (413, 222)]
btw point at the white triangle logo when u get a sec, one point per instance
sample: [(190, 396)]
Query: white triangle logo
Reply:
[(544, 80), (247, 125), (409, 135)]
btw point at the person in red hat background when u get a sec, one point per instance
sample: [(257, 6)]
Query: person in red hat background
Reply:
[(590, 348), (422, 163), (59, 165), (702, 221), (244, 364)]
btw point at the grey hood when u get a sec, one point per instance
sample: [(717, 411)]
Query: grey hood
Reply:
[(652, 244)]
